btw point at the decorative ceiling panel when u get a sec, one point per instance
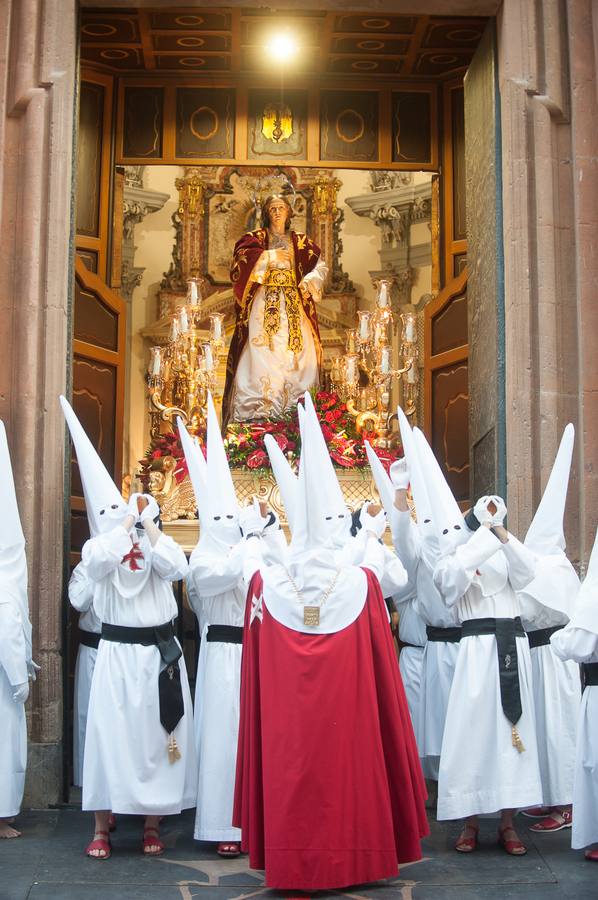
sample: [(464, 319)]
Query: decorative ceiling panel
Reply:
[(350, 45)]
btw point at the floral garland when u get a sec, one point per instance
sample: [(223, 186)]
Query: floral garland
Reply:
[(244, 441)]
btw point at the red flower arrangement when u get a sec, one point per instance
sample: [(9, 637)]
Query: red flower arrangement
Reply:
[(244, 441)]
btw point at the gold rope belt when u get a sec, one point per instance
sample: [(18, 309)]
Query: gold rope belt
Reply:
[(282, 280)]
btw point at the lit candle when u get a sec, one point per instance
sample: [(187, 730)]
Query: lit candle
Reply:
[(174, 330), (383, 294), (155, 361), (183, 320), (364, 325), (192, 293), (351, 368), (208, 357), (216, 326), (410, 335), (385, 360)]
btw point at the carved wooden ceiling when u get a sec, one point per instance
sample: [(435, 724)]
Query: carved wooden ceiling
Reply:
[(231, 41)]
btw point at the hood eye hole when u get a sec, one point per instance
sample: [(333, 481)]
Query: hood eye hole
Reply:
[(216, 518), (114, 506), (328, 518), (426, 521), (230, 517), (102, 511), (445, 531), (457, 527), (341, 516)]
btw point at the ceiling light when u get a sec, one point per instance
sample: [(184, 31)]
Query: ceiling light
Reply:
[(282, 46)]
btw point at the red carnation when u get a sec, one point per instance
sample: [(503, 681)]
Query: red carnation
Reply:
[(256, 460)]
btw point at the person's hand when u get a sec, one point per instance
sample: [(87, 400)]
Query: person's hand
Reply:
[(20, 692), (500, 510), (251, 520), (482, 513), (490, 511), (400, 474), (148, 508), (32, 669), (133, 507), (374, 525)]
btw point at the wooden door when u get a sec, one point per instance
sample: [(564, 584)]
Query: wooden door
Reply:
[(446, 386)]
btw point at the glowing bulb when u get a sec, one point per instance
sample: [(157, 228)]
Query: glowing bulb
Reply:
[(282, 46)]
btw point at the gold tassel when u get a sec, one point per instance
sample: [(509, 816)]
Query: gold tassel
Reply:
[(173, 751), (517, 742)]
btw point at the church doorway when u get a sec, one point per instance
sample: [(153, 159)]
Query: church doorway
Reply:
[(182, 123)]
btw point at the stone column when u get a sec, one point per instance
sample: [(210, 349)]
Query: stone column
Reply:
[(38, 47), (547, 75)]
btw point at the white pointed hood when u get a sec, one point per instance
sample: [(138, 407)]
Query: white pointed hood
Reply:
[(423, 505), (222, 507), (448, 519), (104, 503), (312, 575), (585, 613), (13, 563), (384, 485), (322, 519), (556, 583), (286, 479), (545, 535), (197, 466)]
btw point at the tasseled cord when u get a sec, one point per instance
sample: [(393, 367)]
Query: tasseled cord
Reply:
[(516, 739), (173, 751)]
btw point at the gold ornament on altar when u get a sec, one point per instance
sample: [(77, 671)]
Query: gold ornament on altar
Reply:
[(369, 351), (181, 373)]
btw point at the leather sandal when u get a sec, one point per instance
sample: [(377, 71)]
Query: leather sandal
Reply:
[(592, 854), (99, 844), (228, 848), (536, 812), (555, 822), (112, 822), (467, 844), (152, 842), (512, 847)]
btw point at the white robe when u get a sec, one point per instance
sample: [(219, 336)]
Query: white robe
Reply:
[(269, 382), (126, 767), (411, 631), (480, 769), (217, 595), (557, 695), (81, 597), (439, 658), (581, 646), (13, 671)]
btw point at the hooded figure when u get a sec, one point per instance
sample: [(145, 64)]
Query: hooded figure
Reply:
[(217, 594), (489, 758), (329, 790), (578, 641), (80, 592), (546, 606), (16, 665), (140, 702)]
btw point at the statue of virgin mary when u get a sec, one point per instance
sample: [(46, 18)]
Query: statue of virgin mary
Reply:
[(275, 353)]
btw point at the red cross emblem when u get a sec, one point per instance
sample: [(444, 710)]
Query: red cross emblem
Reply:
[(132, 556)]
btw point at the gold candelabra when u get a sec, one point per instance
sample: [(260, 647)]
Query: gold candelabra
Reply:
[(181, 373), (369, 351)]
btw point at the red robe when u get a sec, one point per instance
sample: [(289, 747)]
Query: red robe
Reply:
[(246, 254), (329, 789)]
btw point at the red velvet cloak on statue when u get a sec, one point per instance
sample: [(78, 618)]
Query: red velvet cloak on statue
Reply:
[(329, 789), (246, 254)]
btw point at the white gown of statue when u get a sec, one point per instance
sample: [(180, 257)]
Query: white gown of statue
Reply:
[(13, 671), (480, 769), (218, 598), (270, 380), (581, 646), (81, 597), (126, 767), (557, 691)]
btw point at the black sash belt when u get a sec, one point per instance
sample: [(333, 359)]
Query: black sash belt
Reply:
[(225, 634), (172, 708), (506, 631), (589, 675), (444, 635), (404, 644), (89, 639), (541, 636)]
